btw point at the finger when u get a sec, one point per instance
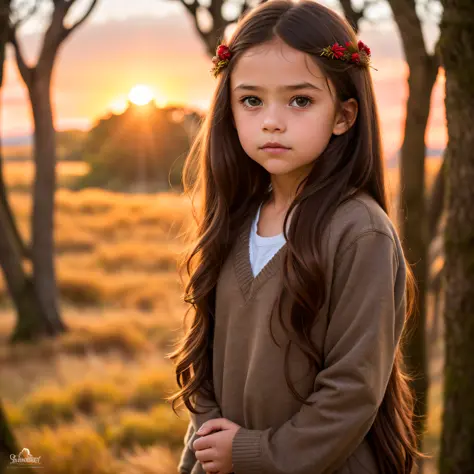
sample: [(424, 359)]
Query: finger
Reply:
[(201, 443), (208, 430), (210, 467), (215, 423), (204, 442), (205, 455)]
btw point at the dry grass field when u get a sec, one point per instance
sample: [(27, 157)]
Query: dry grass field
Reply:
[(93, 401)]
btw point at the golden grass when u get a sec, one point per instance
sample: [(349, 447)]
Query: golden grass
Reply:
[(17, 151), (19, 174), (69, 449), (94, 399), (150, 460), (99, 392), (113, 249)]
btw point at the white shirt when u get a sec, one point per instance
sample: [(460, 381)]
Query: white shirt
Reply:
[(262, 249)]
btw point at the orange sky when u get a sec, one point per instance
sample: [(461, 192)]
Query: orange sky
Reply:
[(110, 54)]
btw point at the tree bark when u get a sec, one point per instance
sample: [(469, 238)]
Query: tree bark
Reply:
[(44, 275), (423, 69), (436, 203), (457, 49), (4, 19), (8, 444), (33, 322), (413, 222), (215, 34)]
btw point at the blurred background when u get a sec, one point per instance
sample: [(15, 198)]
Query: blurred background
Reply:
[(99, 103)]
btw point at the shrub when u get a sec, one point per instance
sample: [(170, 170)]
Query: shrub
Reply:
[(48, 406), (72, 449)]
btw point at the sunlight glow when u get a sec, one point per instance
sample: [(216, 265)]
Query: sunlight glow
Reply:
[(141, 95), (119, 106)]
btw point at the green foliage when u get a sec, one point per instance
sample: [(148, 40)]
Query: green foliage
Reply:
[(145, 148), (69, 144)]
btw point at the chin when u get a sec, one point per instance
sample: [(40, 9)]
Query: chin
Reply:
[(278, 167)]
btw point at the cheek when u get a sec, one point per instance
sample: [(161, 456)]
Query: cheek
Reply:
[(246, 130), (315, 129)]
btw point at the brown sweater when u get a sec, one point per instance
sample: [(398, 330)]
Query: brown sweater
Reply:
[(356, 333)]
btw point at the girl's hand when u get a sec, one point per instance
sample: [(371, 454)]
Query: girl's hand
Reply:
[(214, 451)]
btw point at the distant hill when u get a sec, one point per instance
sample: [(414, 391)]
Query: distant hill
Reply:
[(27, 140), (68, 142), (17, 140)]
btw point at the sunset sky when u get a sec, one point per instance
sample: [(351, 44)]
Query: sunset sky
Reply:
[(153, 42)]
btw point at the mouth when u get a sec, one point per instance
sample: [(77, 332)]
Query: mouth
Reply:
[(274, 148)]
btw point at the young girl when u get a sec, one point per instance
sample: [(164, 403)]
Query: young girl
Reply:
[(298, 281)]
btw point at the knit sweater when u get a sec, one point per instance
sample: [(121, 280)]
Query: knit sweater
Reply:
[(356, 335)]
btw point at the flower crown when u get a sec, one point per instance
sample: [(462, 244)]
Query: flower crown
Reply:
[(221, 59), (354, 54)]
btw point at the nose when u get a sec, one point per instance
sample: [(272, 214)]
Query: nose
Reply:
[(273, 120)]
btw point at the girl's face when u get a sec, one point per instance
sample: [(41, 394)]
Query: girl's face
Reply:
[(279, 94)]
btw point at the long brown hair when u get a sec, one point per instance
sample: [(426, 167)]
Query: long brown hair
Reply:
[(230, 186)]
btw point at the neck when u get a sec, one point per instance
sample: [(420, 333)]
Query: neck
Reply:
[(284, 188)]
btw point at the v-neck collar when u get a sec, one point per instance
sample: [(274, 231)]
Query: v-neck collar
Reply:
[(243, 268)]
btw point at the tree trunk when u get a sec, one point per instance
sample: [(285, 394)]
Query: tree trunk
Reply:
[(423, 69), (44, 276), (30, 319), (38, 82), (413, 225), (436, 203), (457, 48), (8, 443), (4, 18), (31, 322)]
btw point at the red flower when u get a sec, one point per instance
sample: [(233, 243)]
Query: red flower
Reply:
[(363, 47), (348, 44), (338, 50), (223, 52), (355, 58)]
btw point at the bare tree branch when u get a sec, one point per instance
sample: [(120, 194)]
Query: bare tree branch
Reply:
[(25, 70), (68, 31), (354, 16), (409, 25), (219, 23), (27, 16), (57, 32)]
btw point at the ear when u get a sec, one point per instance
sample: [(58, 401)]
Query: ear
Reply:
[(346, 116)]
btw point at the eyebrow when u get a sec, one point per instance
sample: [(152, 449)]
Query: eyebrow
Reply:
[(292, 87)]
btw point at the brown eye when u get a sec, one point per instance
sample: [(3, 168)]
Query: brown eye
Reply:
[(252, 101), (302, 101)]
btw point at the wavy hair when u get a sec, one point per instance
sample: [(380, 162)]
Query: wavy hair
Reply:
[(229, 185)]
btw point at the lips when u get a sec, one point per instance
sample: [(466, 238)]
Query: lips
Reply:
[(274, 145), (274, 148)]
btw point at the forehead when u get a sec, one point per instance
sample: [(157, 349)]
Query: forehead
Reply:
[(275, 64)]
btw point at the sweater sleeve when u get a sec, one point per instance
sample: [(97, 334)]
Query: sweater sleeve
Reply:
[(211, 408), (364, 329), (188, 458)]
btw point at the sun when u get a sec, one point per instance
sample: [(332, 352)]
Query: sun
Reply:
[(141, 95)]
